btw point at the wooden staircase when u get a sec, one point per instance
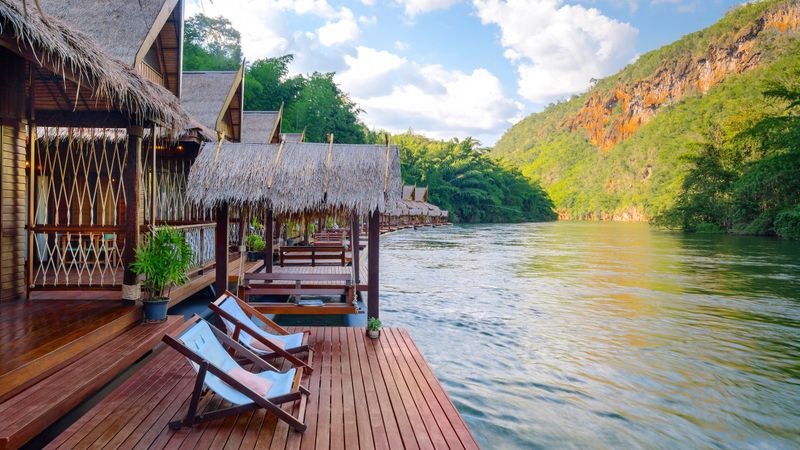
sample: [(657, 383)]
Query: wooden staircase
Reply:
[(74, 372)]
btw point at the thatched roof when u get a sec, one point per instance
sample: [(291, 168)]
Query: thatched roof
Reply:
[(421, 194), (294, 137), (207, 95), (297, 178), (408, 192), (61, 49), (119, 27), (260, 127)]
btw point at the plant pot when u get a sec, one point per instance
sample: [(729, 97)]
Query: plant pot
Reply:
[(254, 256), (373, 334), (155, 310)]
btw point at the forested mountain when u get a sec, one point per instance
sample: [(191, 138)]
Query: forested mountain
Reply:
[(623, 149)]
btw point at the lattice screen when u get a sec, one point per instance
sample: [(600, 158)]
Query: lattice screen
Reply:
[(79, 204)]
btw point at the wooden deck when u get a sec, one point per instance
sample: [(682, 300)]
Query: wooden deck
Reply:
[(33, 409), (363, 272), (38, 337), (364, 394)]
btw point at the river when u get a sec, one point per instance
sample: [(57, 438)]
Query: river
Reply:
[(587, 335)]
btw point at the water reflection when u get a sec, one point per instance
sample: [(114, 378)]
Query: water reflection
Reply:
[(605, 335)]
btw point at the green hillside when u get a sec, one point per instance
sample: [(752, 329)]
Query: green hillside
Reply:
[(623, 149)]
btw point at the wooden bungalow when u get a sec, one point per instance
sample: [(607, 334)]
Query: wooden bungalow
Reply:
[(261, 127), (215, 99), (96, 112), (299, 181)]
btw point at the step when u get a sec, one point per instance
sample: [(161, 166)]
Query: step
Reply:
[(45, 356), (31, 411)]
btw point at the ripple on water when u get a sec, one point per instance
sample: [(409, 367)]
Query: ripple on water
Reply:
[(604, 335)]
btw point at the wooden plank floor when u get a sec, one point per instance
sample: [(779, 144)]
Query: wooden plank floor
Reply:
[(31, 411), (38, 336), (364, 394)]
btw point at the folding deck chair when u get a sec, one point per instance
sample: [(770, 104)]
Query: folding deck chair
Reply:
[(202, 344), (237, 317)]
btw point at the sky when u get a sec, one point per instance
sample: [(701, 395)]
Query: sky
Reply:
[(457, 68)]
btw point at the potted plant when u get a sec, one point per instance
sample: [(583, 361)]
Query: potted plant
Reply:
[(255, 246), (373, 328), (163, 259)]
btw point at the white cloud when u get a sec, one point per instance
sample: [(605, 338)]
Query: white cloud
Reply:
[(401, 45), (414, 7), (262, 23), (368, 20), (397, 94), (556, 47), (344, 29)]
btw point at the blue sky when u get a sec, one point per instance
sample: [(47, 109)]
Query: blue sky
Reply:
[(460, 68)]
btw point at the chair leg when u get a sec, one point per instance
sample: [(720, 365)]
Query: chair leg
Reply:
[(191, 414)]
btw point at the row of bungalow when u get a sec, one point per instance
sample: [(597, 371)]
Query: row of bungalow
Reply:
[(414, 210), (105, 136)]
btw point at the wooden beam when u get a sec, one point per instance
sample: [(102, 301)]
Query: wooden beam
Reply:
[(131, 175), (373, 252), (89, 119), (269, 238), (221, 249), (355, 245)]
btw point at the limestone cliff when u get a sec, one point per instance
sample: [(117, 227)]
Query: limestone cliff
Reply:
[(608, 118), (618, 151)]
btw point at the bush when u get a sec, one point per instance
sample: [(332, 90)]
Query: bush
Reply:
[(787, 223), (255, 243)]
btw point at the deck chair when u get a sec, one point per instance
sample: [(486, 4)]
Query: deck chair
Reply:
[(237, 317), (202, 344)]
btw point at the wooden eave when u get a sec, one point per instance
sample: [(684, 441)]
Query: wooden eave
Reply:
[(166, 33), (275, 137), (232, 107)]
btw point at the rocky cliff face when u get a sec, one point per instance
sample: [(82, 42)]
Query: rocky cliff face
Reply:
[(608, 118)]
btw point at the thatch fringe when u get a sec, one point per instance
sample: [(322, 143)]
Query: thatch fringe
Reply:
[(295, 179), (55, 43)]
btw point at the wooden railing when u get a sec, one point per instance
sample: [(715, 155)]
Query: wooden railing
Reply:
[(200, 237)]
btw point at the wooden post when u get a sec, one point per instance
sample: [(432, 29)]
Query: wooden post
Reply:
[(269, 237), (373, 251), (355, 243), (132, 175), (221, 249)]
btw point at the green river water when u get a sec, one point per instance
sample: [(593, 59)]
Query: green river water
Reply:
[(586, 335)]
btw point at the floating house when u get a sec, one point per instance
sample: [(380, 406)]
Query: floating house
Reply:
[(302, 181)]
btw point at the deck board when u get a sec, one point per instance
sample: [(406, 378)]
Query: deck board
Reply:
[(365, 394)]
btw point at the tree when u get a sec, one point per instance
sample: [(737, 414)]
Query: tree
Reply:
[(211, 43), (749, 183), (268, 85), (322, 108)]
